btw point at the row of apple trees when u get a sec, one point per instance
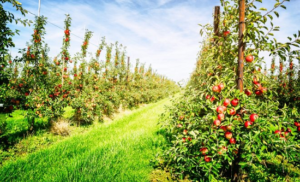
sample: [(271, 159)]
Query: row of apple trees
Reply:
[(217, 132), (44, 87)]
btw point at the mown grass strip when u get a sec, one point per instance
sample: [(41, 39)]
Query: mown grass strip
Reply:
[(119, 151)]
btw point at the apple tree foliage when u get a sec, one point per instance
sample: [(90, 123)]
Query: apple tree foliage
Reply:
[(216, 132)]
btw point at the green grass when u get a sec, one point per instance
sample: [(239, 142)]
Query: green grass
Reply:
[(116, 151)]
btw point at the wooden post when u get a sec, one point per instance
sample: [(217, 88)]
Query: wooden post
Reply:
[(216, 20), (242, 45)]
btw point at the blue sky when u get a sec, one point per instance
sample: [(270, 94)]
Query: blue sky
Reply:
[(163, 33)]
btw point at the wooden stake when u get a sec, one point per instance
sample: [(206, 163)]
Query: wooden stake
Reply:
[(242, 45), (216, 20)]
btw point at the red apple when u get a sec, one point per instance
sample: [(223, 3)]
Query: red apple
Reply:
[(264, 89), (221, 86), (297, 124), (232, 111), (258, 92), (204, 150), (207, 97), (220, 109), (247, 124), (183, 139), (26, 94), (216, 89), (253, 117), (232, 141), (189, 138), (249, 58), (298, 129), (255, 81), (226, 33), (21, 85), (224, 128), (234, 102), (248, 92), (65, 69), (217, 122), (212, 98), (207, 159), (228, 135), (179, 125), (226, 102), (277, 132), (221, 116)]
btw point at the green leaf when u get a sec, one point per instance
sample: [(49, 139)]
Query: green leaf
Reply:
[(283, 6), (276, 13), (263, 9)]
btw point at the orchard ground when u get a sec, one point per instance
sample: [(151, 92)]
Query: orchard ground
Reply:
[(116, 151)]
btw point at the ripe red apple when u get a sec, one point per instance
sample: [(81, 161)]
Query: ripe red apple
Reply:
[(59, 85), (221, 116), (277, 132), (216, 89), (264, 89), (232, 111), (75, 75), (297, 124), (253, 117), (217, 122), (204, 150), (220, 109), (221, 86), (10, 62), (183, 139), (67, 39), (51, 96), (44, 72), (65, 69), (207, 159), (288, 130), (298, 129), (223, 128), (258, 92), (67, 32), (232, 141), (189, 138), (249, 58), (21, 85), (248, 92), (226, 102), (207, 97), (226, 33), (66, 58), (247, 124), (234, 102), (26, 94), (255, 81), (228, 135), (212, 98), (57, 63)]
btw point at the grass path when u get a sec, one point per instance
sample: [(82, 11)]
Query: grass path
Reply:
[(117, 151)]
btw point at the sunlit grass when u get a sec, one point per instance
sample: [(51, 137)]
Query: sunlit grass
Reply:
[(118, 151)]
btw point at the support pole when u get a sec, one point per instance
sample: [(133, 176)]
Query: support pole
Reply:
[(39, 7), (242, 45), (216, 20)]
